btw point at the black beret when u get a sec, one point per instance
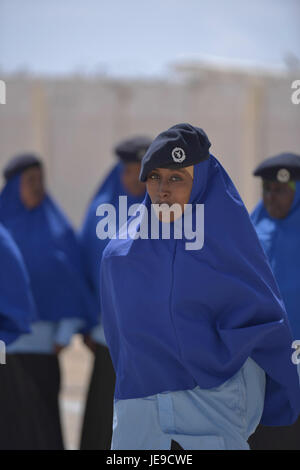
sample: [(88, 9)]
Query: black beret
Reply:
[(180, 146), (133, 150), (283, 168), (20, 163)]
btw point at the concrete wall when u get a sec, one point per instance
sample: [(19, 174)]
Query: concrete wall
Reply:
[(75, 122)]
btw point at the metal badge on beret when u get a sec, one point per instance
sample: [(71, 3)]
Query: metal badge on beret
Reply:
[(283, 175), (178, 155)]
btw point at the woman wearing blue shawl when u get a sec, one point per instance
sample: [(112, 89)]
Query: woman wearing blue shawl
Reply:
[(277, 222), (123, 180), (20, 426), (197, 331), (52, 257)]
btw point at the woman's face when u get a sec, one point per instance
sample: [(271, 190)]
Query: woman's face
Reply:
[(278, 198), (32, 187), (169, 186), (130, 179)]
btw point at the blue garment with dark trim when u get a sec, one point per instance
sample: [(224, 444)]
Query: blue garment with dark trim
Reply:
[(176, 319), (17, 308), (51, 254), (280, 239)]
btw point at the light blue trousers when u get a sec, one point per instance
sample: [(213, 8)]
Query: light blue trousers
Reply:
[(213, 419)]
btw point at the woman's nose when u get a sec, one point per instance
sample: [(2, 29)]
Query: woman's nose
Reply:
[(164, 189)]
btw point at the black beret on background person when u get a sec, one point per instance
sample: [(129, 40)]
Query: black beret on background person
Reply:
[(132, 149), (123, 180), (283, 168), (122, 177), (20, 163), (277, 222)]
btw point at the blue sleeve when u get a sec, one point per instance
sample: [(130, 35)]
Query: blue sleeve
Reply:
[(66, 328)]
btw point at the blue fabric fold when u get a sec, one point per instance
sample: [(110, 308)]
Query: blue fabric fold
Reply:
[(91, 246), (17, 309)]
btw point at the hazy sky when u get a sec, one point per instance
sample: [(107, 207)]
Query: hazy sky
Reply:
[(137, 37)]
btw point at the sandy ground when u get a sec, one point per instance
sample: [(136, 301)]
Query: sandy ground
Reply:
[(76, 363)]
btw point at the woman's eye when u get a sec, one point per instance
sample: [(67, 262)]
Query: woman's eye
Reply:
[(175, 178), (153, 176)]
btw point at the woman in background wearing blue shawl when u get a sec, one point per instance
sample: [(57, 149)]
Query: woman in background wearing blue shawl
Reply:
[(52, 257), (197, 333), (123, 180), (20, 426), (277, 222)]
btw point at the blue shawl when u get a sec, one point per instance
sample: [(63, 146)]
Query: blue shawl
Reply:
[(176, 319), (51, 254)]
